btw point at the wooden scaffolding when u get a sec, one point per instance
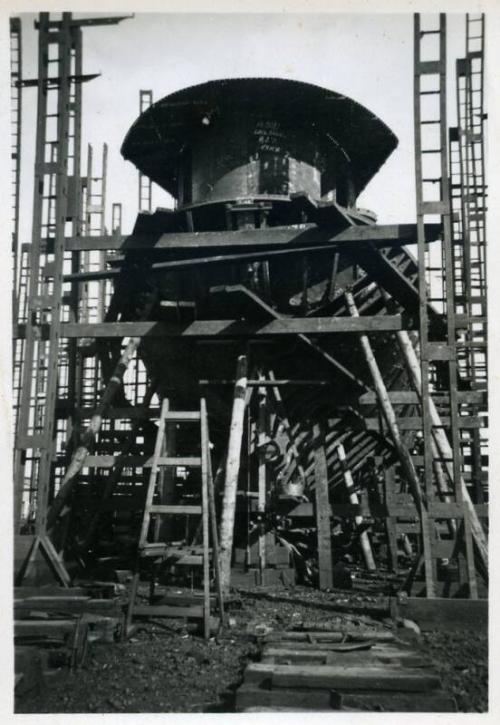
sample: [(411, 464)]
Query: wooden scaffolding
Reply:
[(407, 455)]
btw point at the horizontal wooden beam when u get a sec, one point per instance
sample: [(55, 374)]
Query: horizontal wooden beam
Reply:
[(228, 328), (383, 235), (438, 510), (409, 397), (330, 677), (415, 423)]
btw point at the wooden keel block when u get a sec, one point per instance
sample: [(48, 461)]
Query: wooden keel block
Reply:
[(57, 628), (343, 678), (395, 657)]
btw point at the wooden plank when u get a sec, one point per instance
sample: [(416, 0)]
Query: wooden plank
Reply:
[(205, 452), (74, 605), (54, 591), (396, 657), (330, 637), (410, 397), (415, 423), (407, 465), (44, 628), (225, 328), (370, 644), (364, 539), (105, 461), (181, 416), (174, 509), (378, 234), (232, 469), (187, 461), (343, 678), (381, 269)]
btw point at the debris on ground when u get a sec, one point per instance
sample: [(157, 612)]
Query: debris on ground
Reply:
[(165, 669)]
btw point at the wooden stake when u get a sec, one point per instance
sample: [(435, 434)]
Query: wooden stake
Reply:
[(232, 471), (353, 498), (443, 445), (403, 453)]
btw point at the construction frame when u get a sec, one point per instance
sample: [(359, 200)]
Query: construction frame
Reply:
[(86, 406)]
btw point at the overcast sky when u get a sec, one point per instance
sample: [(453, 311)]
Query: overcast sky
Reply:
[(367, 57)]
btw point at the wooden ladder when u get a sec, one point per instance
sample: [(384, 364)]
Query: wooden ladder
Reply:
[(160, 550)]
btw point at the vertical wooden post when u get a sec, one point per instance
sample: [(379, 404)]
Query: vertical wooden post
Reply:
[(205, 453), (213, 523), (354, 499), (390, 521), (232, 471), (322, 510), (262, 478)]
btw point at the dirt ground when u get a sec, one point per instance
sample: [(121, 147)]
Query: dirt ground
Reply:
[(161, 669)]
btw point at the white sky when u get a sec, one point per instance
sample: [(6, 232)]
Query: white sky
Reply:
[(367, 57)]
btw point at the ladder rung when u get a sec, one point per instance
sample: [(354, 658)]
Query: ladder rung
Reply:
[(180, 461), (173, 509), (156, 549), (429, 66), (178, 416), (434, 207)]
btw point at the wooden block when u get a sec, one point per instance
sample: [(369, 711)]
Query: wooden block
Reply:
[(249, 696), (343, 678), (393, 656)]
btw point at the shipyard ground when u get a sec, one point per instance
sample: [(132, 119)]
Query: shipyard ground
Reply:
[(164, 668)]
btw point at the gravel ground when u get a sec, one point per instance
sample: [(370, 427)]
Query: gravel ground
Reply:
[(160, 670), (461, 658)]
